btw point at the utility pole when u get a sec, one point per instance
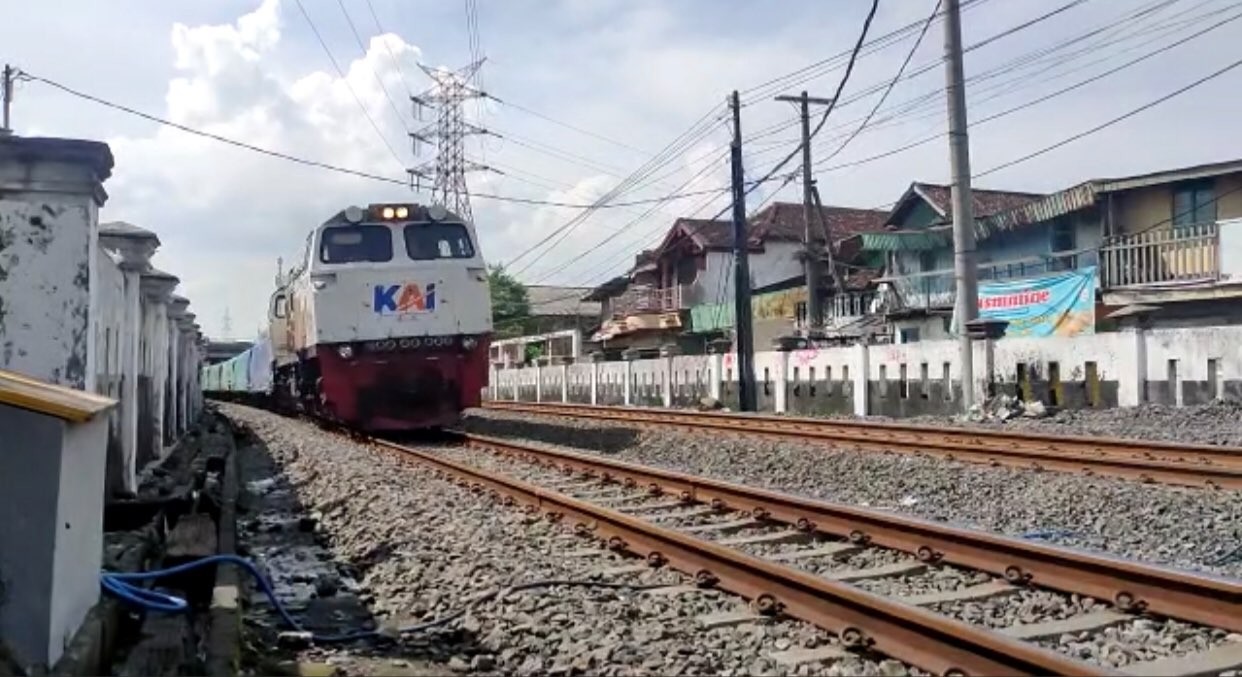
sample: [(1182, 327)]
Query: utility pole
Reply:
[(7, 89), (964, 270), (741, 270), (811, 258)]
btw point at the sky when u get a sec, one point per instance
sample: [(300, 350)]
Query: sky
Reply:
[(620, 80)]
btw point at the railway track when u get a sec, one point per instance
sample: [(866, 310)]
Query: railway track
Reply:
[(1179, 464), (785, 553)]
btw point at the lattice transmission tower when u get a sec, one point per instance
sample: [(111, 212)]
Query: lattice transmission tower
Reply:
[(447, 171)]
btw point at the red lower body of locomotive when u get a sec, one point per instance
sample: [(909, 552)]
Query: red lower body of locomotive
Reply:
[(390, 385)]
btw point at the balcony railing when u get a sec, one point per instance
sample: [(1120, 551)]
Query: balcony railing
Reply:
[(639, 300), (937, 289), (1179, 254)]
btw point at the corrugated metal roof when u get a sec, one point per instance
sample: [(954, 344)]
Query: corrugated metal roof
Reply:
[(906, 240), (1044, 209)]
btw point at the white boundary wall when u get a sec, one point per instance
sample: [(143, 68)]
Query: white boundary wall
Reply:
[(1170, 366)]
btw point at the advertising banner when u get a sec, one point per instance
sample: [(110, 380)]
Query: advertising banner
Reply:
[(1054, 305)]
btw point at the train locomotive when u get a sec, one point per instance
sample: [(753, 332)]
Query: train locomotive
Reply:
[(383, 326)]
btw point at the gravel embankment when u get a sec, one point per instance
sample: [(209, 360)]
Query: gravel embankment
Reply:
[(1190, 528), (1134, 641), (1219, 423), (412, 547)]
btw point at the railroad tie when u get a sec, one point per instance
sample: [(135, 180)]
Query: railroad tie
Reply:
[(674, 590), (598, 493), (724, 527), (653, 507), (989, 589), (621, 500), (623, 570), (1212, 661), (794, 657), (727, 619), (772, 537), (882, 571), (836, 550), (694, 512), (1095, 620)]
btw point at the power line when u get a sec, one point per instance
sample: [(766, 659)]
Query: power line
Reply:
[(1113, 121), (347, 170), (900, 71), (395, 61), (849, 69), (566, 125), (700, 127), (358, 38), (1041, 99), (348, 86)]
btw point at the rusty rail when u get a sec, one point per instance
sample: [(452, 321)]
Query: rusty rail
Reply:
[(1131, 586), (1180, 464), (862, 620)]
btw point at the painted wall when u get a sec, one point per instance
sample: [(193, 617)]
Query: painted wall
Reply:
[(1141, 208)]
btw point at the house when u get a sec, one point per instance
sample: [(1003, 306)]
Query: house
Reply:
[(917, 288), (559, 318), (1163, 247), (681, 291)]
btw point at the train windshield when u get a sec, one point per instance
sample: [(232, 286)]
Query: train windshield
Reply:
[(353, 244), (430, 241)]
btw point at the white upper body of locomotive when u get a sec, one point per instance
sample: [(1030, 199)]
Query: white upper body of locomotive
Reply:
[(382, 272)]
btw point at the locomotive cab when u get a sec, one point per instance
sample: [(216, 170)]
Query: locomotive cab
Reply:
[(391, 319)]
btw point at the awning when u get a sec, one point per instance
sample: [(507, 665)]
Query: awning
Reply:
[(906, 240)]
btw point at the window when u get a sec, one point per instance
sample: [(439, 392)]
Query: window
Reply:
[(1194, 202), (281, 306), (352, 244), (910, 335), (430, 241), (1063, 236)]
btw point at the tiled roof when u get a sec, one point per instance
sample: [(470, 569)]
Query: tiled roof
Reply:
[(986, 202), (784, 221), (547, 300)]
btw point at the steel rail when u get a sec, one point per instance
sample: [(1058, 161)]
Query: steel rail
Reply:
[(1179, 464), (862, 620), (1131, 586)]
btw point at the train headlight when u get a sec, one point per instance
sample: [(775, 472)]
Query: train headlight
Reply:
[(387, 212), (345, 352), (469, 343), (403, 212)]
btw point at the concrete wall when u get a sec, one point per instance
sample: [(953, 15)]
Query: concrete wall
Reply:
[(1094, 371), (48, 229)]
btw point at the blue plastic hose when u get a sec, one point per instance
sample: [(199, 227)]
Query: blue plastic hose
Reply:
[(119, 586)]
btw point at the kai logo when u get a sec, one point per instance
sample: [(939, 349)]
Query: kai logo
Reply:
[(401, 299)]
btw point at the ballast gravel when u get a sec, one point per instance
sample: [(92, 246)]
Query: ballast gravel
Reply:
[(1183, 527), (413, 547)]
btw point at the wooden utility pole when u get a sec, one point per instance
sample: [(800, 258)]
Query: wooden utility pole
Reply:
[(811, 256), (741, 270), (965, 272)]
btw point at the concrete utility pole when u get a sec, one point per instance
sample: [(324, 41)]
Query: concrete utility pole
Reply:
[(7, 87), (810, 264), (964, 270), (741, 270)]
